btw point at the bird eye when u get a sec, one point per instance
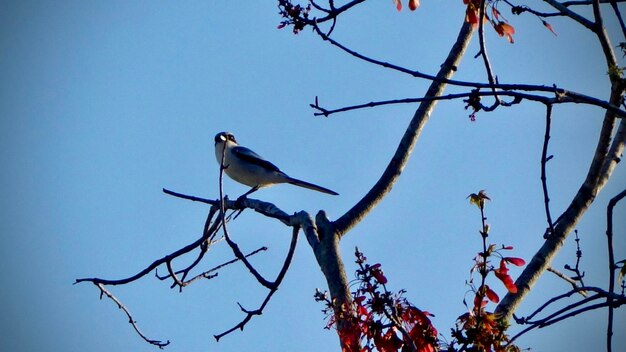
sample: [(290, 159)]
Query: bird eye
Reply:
[(220, 137)]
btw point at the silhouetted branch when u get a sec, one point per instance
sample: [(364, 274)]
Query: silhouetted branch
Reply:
[(103, 291), (569, 310), (207, 274), (576, 269), (192, 198), (483, 53), (544, 161), (561, 94), (612, 266), (274, 287)]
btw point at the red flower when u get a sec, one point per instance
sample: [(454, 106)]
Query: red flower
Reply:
[(493, 297), (502, 274), (377, 273), (515, 261), (505, 29)]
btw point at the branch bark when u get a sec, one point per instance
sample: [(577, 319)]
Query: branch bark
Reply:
[(605, 159), (391, 174)]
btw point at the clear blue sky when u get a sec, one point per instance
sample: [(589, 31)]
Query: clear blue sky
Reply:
[(103, 103)]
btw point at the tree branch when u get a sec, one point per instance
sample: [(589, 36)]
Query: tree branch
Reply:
[(544, 161), (612, 267), (273, 288), (103, 291), (569, 97), (571, 14), (408, 141), (604, 161)]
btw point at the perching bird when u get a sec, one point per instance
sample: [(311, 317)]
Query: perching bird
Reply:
[(247, 167)]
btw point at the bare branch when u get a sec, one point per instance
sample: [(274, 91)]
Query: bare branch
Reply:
[(208, 274), (559, 98), (483, 52), (103, 291), (273, 288), (544, 161), (568, 279), (618, 14), (569, 310), (408, 141), (571, 14), (605, 159), (607, 154), (612, 267), (192, 198)]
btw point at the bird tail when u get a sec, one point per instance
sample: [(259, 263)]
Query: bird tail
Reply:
[(296, 182)]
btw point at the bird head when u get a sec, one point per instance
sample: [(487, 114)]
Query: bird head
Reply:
[(223, 137)]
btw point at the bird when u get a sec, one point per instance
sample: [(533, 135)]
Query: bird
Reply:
[(249, 168)]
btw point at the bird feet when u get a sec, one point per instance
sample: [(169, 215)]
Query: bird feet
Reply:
[(239, 202)]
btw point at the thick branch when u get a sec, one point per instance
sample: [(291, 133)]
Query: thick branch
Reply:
[(571, 14), (604, 161), (408, 141)]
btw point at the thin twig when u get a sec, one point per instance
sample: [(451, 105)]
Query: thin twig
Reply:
[(207, 274), (277, 282), (483, 53), (568, 279), (560, 98), (103, 291), (195, 199), (544, 161)]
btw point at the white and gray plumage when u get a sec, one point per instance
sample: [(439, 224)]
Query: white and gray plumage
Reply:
[(247, 167)]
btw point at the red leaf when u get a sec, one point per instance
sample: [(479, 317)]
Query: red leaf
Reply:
[(414, 4), (505, 29), (549, 26), (502, 274), (350, 337), (388, 342), (479, 302), (398, 4), (471, 15), (377, 273), (515, 261), (493, 297)]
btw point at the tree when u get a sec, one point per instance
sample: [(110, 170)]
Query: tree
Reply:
[(324, 235)]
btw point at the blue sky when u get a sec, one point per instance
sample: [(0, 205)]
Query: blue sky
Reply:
[(105, 103)]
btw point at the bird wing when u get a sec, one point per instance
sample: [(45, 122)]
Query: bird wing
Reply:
[(248, 155)]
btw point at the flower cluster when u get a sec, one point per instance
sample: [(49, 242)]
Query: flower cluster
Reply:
[(379, 319)]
